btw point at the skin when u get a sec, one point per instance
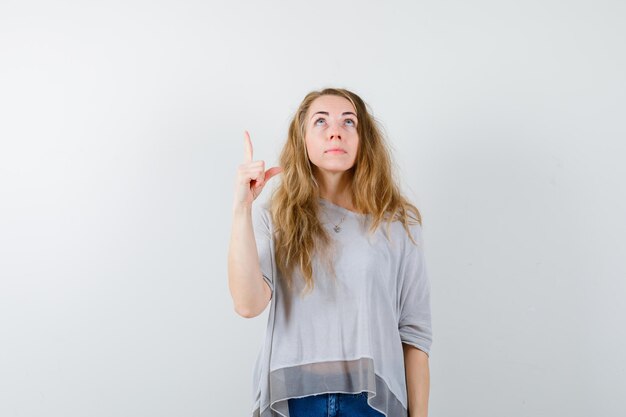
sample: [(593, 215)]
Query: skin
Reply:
[(417, 373), (332, 130), (251, 177), (250, 293)]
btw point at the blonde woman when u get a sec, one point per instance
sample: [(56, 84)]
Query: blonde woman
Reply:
[(337, 252)]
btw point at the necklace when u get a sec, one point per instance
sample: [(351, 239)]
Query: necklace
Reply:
[(337, 229)]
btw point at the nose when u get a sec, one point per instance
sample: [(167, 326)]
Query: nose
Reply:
[(333, 132)]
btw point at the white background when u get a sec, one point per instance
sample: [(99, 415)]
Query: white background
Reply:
[(121, 127)]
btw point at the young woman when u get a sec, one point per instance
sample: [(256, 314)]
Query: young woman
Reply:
[(338, 252)]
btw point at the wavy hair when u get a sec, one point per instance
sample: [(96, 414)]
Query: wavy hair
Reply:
[(294, 203)]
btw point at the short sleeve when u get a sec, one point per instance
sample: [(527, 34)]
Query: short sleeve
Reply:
[(414, 322), (261, 224)]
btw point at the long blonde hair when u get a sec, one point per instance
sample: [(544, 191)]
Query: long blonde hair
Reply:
[(294, 203)]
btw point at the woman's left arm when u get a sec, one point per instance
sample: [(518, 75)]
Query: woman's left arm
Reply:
[(417, 380)]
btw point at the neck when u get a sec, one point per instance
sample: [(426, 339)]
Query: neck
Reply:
[(335, 187)]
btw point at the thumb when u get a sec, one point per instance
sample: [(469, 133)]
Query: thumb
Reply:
[(271, 172)]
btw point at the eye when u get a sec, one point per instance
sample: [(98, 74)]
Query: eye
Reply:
[(351, 121), (321, 118)]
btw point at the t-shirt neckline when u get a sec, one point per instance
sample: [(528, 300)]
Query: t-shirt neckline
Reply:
[(342, 209)]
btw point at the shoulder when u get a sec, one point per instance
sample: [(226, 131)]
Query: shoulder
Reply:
[(416, 232), (260, 207), (261, 213)]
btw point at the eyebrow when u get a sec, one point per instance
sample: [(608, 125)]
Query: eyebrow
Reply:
[(326, 113)]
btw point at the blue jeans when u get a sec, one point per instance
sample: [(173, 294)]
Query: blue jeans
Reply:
[(332, 405)]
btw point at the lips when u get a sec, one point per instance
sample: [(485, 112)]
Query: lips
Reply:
[(335, 150)]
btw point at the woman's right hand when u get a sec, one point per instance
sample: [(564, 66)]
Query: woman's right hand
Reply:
[(251, 177)]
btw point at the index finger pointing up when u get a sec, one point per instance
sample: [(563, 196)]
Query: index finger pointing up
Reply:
[(248, 146)]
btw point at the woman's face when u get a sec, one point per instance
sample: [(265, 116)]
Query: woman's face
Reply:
[(331, 124)]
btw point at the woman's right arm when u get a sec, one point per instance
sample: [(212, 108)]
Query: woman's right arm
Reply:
[(248, 289)]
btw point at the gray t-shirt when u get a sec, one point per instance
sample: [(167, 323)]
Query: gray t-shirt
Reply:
[(345, 336)]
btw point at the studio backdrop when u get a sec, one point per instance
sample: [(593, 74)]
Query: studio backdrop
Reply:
[(121, 128)]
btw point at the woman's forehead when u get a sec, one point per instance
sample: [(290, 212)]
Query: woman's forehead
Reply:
[(332, 105)]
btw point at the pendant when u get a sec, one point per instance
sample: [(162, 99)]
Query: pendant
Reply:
[(337, 229)]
